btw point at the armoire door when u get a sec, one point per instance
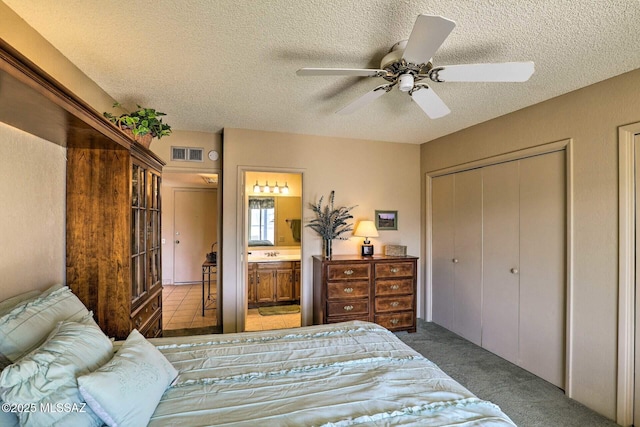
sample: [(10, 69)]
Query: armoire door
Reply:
[(501, 259)]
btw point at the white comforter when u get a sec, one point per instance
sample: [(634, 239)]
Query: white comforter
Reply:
[(328, 375)]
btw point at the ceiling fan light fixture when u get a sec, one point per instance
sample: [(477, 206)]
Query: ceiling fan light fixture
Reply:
[(405, 82)]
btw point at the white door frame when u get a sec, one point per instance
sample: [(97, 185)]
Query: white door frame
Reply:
[(567, 146), (626, 272)]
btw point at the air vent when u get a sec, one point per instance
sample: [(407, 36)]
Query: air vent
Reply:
[(178, 153), (187, 154), (195, 154)]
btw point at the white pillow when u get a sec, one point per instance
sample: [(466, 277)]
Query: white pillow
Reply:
[(45, 380), (11, 303), (27, 325), (126, 391)]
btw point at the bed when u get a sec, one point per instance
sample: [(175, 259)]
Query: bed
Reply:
[(353, 373)]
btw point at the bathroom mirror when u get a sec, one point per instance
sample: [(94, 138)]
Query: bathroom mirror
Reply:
[(274, 221)]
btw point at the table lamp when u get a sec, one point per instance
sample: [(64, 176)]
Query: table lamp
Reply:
[(366, 229)]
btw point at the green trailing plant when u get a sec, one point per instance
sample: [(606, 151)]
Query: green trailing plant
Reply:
[(141, 122), (330, 223)]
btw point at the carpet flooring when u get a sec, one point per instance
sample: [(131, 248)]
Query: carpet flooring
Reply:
[(528, 400)]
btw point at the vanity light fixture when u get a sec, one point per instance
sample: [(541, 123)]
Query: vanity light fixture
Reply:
[(276, 189), (366, 229)]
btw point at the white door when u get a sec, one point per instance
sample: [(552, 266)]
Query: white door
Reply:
[(443, 255), (467, 296), (543, 266), (195, 227), (501, 258)]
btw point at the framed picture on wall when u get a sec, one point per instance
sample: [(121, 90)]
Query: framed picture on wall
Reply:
[(387, 220)]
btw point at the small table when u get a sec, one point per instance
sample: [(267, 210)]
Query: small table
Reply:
[(208, 269)]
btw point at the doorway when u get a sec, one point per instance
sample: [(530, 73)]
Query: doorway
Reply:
[(190, 228), (628, 402), (272, 218)]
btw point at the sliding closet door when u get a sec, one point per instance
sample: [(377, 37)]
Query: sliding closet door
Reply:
[(442, 244), (501, 259), (542, 266), (467, 257)]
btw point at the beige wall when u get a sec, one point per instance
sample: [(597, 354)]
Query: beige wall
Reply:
[(32, 212), (370, 174), (590, 117)]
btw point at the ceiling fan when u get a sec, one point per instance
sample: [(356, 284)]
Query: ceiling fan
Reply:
[(408, 63)]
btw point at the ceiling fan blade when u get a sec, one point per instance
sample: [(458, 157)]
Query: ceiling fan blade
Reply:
[(429, 101), (365, 99), (341, 72), (500, 72), (428, 34)]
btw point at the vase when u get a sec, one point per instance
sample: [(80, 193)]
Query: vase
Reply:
[(144, 140), (326, 247)]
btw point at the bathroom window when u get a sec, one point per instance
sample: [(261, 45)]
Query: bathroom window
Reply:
[(261, 221)]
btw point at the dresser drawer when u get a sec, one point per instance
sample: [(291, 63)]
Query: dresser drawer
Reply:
[(141, 316), (154, 328), (401, 320), (337, 319), (399, 269), (345, 308), (394, 287), (386, 304), (348, 271), (342, 290)]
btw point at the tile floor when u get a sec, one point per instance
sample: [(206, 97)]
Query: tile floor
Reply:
[(182, 308), (256, 322)]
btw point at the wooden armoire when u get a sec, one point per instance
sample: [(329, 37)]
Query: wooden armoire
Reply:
[(113, 198), (113, 236)]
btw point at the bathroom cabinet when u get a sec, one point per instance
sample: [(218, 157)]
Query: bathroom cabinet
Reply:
[(273, 283)]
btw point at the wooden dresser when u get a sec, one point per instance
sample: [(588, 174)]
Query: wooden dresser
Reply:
[(377, 289)]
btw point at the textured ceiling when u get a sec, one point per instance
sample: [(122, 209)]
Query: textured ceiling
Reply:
[(232, 63)]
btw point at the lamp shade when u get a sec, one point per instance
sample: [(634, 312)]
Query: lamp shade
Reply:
[(366, 229)]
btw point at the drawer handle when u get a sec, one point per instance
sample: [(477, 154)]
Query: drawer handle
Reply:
[(348, 272), (395, 287), (138, 321), (394, 321), (348, 307), (394, 269), (395, 304), (154, 306), (348, 290)]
